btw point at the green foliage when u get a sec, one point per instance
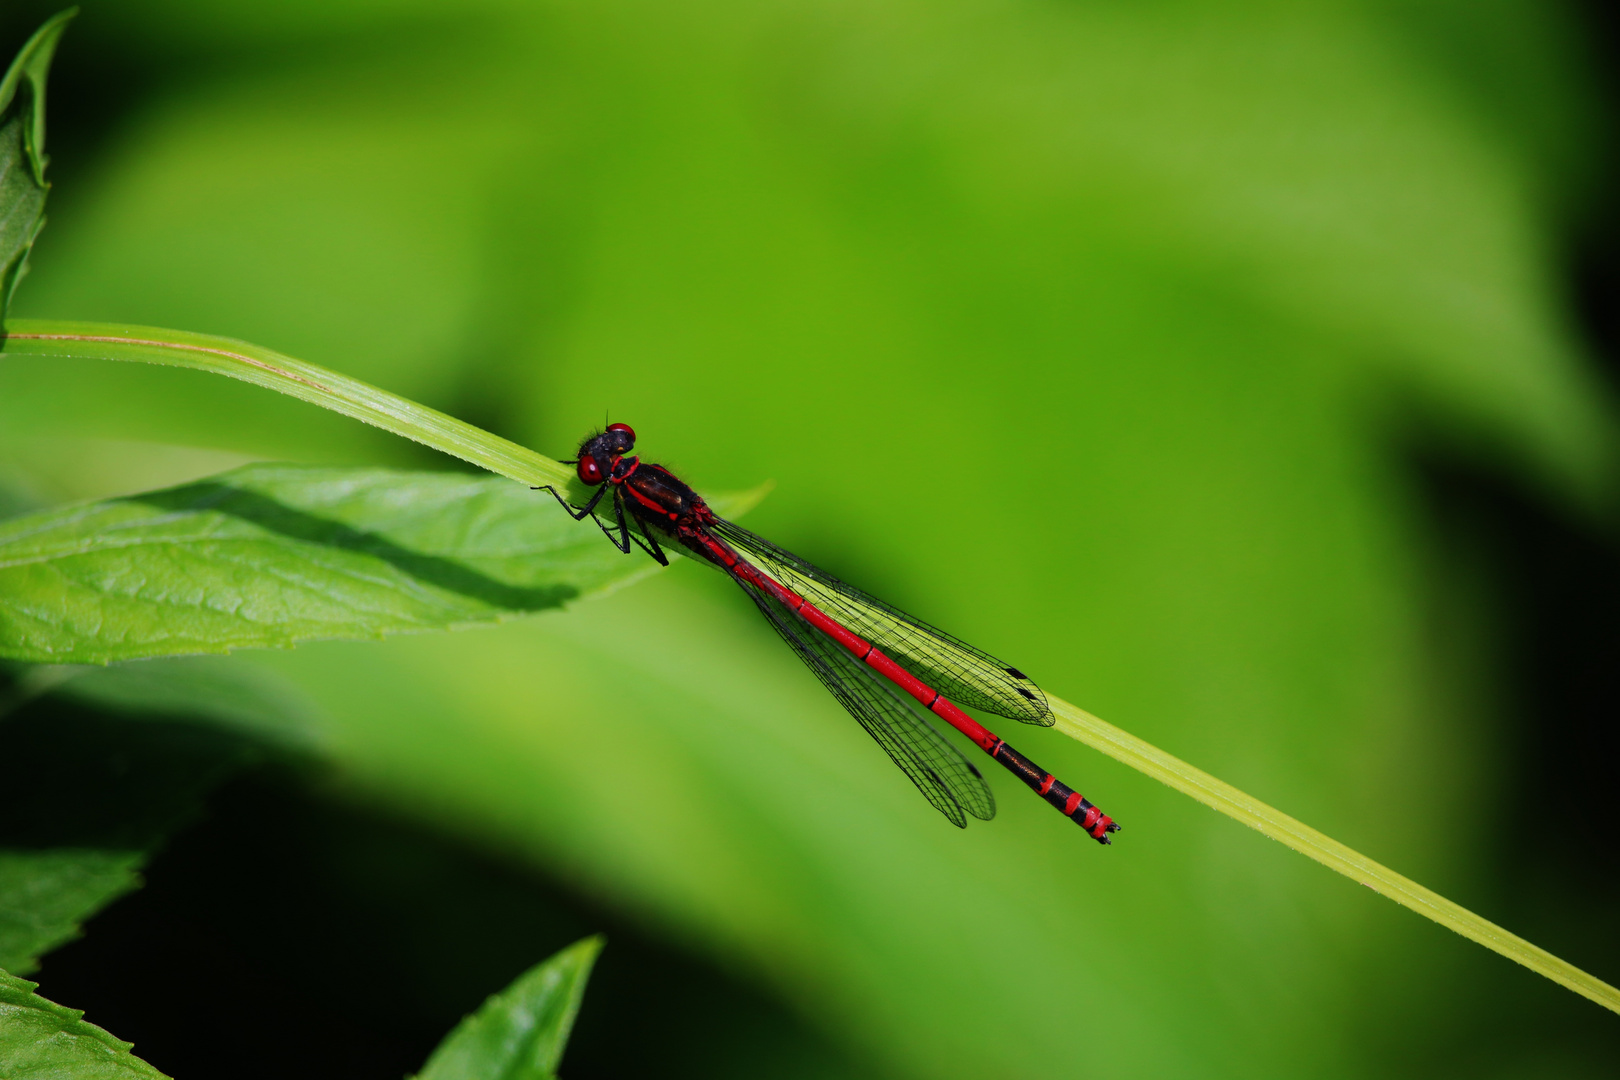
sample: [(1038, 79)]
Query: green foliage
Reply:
[(45, 895), (273, 555), (87, 802), (241, 561), (520, 1033), (308, 589), (41, 1038), (1179, 283), (22, 153)]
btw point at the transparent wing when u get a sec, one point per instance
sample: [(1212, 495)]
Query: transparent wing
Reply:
[(938, 769), (962, 673)]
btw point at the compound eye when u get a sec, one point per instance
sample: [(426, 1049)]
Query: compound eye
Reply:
[(589, 472), (629, 432)]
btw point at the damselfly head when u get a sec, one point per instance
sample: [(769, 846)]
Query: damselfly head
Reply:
[(598, 454)]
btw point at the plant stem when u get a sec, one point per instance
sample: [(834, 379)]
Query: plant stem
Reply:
[(297, 378), (1124, 747)]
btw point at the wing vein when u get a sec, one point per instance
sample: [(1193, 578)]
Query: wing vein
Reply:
[(895, 722), (964, 674)]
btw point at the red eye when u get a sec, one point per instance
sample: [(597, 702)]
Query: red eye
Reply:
[(626, 428), (589, 473)]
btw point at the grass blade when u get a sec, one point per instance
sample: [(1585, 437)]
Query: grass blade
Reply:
[(1173, 772), (296, 378)]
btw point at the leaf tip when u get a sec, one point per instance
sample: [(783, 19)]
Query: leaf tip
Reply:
[(31, 66)]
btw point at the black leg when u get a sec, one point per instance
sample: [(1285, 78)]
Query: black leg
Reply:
[(655, 551), (618, 533), (577, 515), (622, 541)]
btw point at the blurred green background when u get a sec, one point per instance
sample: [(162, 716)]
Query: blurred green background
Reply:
[(1235, 369)]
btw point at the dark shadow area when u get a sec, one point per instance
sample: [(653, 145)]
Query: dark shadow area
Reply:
[(1546, 583), (87, 798), (1595, 288), (1558, 587), (284, 520), (293, 934), (285, 931), (75, 778), (1593, 258)]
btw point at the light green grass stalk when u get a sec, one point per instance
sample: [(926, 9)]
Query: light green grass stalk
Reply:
[(1122, 746), (296, 378)]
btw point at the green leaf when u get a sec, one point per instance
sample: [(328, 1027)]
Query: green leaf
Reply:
[(520, 1033), (270, 555), (45, 895), (41, 1038), (22, 153)]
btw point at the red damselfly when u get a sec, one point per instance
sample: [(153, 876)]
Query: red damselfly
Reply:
[(863, 650)]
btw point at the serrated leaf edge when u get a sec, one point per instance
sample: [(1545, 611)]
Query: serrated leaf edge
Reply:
[(70, 1022)]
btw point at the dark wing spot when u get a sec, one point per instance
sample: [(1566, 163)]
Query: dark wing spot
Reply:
[(1015, 673), (1026, 693), (974, 769)]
